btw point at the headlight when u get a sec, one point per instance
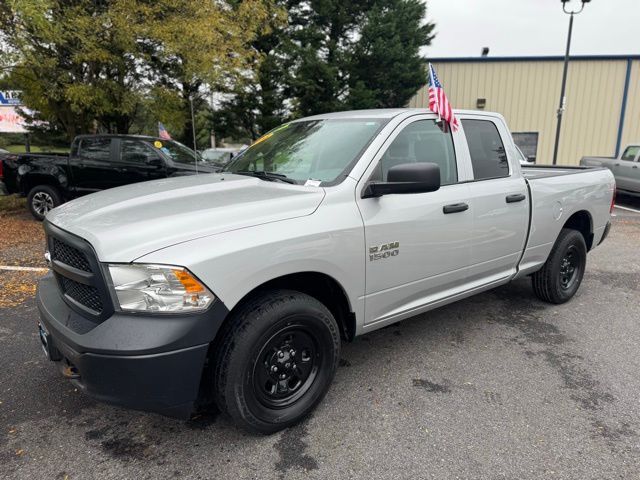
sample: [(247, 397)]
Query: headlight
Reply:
[(158, 288)]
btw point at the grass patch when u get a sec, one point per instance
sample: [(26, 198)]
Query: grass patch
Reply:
[(12, 203), (35, 149)]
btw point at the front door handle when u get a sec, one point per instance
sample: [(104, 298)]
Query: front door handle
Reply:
[(516, 197), (616, 164), (455, 207), (635, 166)]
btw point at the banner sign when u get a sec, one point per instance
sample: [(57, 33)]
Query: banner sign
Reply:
[(10, 97), (11, 121)]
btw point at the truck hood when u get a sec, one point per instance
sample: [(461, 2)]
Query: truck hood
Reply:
[(128, 222)]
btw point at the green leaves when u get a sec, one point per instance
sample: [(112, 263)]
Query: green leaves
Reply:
[(331, 55), (84, 64)]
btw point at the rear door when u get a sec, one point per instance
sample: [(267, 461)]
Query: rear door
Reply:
[(90, 164), (415, 252), (500, 200)]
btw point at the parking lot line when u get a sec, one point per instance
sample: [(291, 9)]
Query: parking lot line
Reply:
[(627, 208), (23, 269)]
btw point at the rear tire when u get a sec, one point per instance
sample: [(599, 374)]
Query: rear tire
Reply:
[(560, 277), (276, 360), (42, 199)]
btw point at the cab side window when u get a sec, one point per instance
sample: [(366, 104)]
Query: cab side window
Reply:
[(95, 148), (422, 141), (133, 151), (630, 153), (488, 156)]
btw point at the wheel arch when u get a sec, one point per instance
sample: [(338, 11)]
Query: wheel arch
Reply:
[(320, 286), (582, 221)]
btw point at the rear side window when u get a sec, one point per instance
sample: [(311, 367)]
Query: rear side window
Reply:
[(95, 148), (630, 153), (488, 156)]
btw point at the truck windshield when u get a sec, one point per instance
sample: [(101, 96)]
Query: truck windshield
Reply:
[(178, 152), (320, 150)]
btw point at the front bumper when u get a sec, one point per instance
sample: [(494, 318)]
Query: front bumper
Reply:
[(144, 362)]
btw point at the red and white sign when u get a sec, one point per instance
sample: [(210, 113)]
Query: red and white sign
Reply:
[(11, 121)]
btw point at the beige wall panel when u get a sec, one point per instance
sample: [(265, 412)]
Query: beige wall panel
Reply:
[(527, 94), (631, 130)]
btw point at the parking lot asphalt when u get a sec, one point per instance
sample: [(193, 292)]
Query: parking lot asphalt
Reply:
[(498, 386)]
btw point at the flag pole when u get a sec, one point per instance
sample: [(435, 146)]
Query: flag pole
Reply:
[(433, 85)]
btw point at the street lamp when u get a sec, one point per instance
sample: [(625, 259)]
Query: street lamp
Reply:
[(564, 73)]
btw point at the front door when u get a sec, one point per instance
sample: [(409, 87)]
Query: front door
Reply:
[(415, 252), (138, 162)]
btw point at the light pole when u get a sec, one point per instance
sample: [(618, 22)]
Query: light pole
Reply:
[(561, 106)]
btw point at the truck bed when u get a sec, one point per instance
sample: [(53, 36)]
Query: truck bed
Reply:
[(534, 172)]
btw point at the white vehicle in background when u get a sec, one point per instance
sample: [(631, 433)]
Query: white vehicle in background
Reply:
[(219, 157), (625, 168)]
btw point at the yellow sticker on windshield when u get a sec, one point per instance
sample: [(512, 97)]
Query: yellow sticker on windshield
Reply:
[(157, 144), (262, 138)]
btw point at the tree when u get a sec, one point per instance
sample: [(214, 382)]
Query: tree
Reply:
[(386, 67), (87, 64), (331, 55)]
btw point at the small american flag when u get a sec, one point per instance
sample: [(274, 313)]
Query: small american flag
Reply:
[(162, 132), (438, 102)]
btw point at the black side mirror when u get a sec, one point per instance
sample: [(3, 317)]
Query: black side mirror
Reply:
[(406, 178), (155, 162)]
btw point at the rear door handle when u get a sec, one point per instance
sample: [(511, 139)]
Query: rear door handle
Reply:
[(516, 197), (616, 164), (455, 207), (635, 166)]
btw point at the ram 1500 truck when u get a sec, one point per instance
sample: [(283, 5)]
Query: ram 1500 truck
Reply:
[(625, 168), (239, 286), (96, 162)]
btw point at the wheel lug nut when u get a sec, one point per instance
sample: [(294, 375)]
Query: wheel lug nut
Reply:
[(283, 376), (292, 352), (274, 368), (293, 366), (280, 354)]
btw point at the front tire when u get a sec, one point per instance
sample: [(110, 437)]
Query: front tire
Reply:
[(560, 277), (42, 199), (276, 360)]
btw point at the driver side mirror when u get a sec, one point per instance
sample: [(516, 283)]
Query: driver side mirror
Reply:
[(406, 178), (155, 162)]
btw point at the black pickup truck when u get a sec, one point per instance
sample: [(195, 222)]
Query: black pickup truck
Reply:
[(96, 162)]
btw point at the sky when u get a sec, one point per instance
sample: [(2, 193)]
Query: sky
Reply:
[(532, 27)]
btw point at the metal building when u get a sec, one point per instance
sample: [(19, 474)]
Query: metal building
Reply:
[(602, 100)]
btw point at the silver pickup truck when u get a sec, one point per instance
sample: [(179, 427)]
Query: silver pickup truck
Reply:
[(238, 287), (625, 168)]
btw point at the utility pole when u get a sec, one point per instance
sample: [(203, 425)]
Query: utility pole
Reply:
[(563, 99)]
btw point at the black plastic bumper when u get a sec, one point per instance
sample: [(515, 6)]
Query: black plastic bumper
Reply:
[(144, 362), (605, 234)]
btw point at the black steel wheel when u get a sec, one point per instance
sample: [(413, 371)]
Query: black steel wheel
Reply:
[(560, 277), (275, 361)]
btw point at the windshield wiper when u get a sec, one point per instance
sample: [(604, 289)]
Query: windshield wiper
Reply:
[(268, 176)]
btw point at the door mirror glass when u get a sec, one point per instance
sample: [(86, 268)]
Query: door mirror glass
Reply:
[(406, 178), (154, 162)]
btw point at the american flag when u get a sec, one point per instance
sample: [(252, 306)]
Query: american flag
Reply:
[(162, 132), (438, 102)]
